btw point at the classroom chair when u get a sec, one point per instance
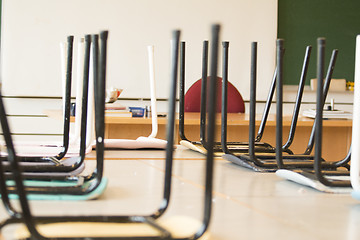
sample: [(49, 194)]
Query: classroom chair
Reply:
[(52, 185), (200, 146), (336, 180), (271, 162), (155, 228), (193, 98)]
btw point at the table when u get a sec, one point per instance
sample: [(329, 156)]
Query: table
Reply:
[(336, 133)]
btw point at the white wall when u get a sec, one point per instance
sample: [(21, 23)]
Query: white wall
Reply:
[(32, 30)]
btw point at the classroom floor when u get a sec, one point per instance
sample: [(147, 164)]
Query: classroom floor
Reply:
[(246, 205)]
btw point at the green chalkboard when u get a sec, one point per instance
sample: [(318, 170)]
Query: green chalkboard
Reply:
[(301, 22)]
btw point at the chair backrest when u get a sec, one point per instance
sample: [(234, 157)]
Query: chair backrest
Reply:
[(192, 99)]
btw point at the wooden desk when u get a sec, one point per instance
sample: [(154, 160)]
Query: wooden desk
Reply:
[(336, 133)]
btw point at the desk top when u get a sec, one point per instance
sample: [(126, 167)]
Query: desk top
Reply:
[(243, 119), (239, 119), (246, 205)]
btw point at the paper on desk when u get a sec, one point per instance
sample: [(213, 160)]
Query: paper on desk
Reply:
[(329, 114)]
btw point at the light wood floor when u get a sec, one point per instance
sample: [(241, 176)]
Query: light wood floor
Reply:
[(246, 205)]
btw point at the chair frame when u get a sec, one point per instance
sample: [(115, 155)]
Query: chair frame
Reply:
[(84, 184), (318, 173), (31, 221), (260, 162), (253, 144), (235, 146), (66, 129)]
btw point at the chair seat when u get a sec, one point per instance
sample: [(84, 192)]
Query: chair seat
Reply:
[(192, 100)]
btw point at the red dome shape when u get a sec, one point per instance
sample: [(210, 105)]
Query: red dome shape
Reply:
[(192, 99)]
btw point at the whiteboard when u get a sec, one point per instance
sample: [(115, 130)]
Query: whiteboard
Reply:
[(33, 29)]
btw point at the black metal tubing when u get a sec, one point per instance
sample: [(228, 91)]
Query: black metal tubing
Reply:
[(325, 88), (11, 155), (344, 162), (229, 147), (266, 109), (99, 94), (243, 147), (248, 147), (319, 121), (302, 161), (297, 105), (13, 160), (252, 112), (99, 72), (204, 80), (224, 99), (332, 165), (20, 189), (267, 106), (66, 128), (279, 103), (252, 115), (182, 93), (79, 189), (237, 147), (170, 127), (30, 221), (254, 143), (70, 41), (298, 98), (62, 166), (212, 99), (85, 94), (292, 161), (250, 157), (269, 162)]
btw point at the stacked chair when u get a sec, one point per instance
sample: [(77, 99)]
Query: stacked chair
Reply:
[(58, 178), (66, 129), (199, 146), (270, 162), (150, 226), (339, 180), (69, 146), (35, 165), (247, 158), (63, 179), (256, 155), (231, 150)]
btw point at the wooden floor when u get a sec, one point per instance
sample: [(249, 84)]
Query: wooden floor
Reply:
[(246, 205)]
